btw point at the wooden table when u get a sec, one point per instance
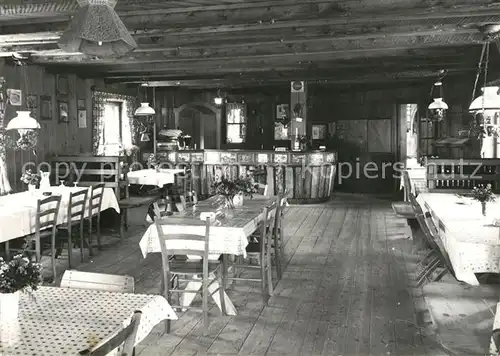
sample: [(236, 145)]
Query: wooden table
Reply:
[(471, 240), (64, 321), (228, 235), (18, 211)]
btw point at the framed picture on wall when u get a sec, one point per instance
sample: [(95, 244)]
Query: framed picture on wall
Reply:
[(62, 84), (63, 113), (32, 104), (82, 119), (81, 104), (45, 108), (318, 132)]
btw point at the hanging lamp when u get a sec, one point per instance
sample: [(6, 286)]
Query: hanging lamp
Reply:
[(489, 100), (438, 106), (218, 99), (97, 30), (23, 122), (144, 109)]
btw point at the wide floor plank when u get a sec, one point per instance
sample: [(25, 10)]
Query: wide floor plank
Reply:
[(345, 290)]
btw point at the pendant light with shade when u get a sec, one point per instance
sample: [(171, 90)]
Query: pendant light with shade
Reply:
[(23, 122), (438, 106), (486, 106), (144, 109)]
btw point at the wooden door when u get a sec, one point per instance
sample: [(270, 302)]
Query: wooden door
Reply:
[(366, 156)]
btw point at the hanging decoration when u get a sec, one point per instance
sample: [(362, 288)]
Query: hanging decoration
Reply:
[(97, 30)]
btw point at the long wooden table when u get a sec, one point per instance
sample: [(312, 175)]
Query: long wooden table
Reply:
[(228, 235), (471, 240)]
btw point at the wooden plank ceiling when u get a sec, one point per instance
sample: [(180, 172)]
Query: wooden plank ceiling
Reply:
[(231, 43)]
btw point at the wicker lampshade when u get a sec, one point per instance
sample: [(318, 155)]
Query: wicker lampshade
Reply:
[(97, 30)]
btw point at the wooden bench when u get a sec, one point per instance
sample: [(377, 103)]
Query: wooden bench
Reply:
[(97, 281), (91, 170)]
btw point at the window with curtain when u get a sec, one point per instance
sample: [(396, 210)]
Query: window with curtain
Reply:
[(113, 128), (236, 123)]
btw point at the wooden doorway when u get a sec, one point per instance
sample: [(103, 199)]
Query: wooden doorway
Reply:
[(366, 155)]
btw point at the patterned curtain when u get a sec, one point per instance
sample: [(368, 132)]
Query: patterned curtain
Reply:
[(129, 127)]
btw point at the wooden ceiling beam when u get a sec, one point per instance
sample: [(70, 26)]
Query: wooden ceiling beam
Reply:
[(332, 25), (279, 55), (332, 70), (344, 80), (225, 9)]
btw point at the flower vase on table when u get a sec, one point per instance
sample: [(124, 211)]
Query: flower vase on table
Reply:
[(31, 179), (483, 194), (17, 275), (238, 200)]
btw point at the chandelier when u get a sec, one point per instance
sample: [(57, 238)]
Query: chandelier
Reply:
[(97, 30)]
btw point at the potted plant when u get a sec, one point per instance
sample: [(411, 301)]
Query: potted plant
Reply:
[(17, 275), (483, 194), (31, 179)]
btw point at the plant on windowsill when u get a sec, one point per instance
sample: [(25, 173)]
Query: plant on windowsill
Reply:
[(20, 274), (483, 194)]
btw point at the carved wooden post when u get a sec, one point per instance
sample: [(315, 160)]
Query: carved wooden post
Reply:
[(5, 187)]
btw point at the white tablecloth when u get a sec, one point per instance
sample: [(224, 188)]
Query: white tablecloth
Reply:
[(470, 239), (152, 177), (228, 235), (18, 211), (64, 321)]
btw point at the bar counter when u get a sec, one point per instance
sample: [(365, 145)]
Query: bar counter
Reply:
[(309, 176)]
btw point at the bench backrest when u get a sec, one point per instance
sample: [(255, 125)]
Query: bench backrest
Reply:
[(90, 170), (97, 281)]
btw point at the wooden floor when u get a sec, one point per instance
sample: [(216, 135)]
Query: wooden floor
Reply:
[(346, 290)]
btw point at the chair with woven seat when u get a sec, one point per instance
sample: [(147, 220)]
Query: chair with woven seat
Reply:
[(261, 249), (122, 340), (181, 237), (76, 217), (47, 211)]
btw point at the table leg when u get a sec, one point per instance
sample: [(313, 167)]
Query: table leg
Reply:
[(187, 298)]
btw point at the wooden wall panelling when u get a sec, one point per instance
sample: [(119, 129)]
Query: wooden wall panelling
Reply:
[(53, 137)]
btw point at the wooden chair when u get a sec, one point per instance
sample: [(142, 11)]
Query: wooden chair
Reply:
[(95, 204), (193, 241), (97, 281), (76, 217), (279, 233), (188, 201), (262, 189), (437, 256), (261, 249), (124, 339), (404, 208), (47, 211)]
